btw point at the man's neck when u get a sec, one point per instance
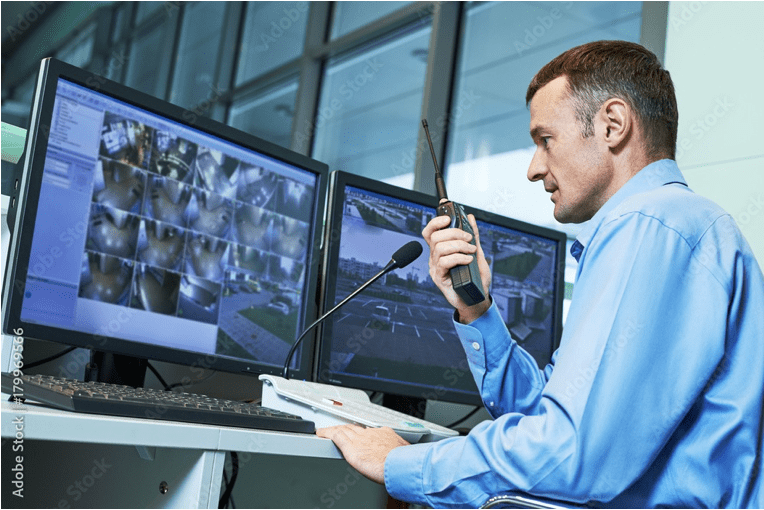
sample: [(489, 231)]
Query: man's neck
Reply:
[(626, 165), (631, 160)]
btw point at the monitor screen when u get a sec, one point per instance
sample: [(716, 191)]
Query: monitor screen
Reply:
[(398, 336), (142, 229)]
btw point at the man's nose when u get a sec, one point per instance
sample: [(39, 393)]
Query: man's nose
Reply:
[(537, 168)]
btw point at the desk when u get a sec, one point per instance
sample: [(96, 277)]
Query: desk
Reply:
[(84, 460)]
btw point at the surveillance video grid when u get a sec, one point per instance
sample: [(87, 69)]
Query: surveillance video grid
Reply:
[(184, 230), (404, 321)]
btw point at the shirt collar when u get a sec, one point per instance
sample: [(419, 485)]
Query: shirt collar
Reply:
[(654, 175)]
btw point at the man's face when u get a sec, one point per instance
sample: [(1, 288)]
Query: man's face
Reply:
[(574, 169)]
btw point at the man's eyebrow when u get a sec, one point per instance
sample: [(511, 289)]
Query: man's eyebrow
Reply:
[(536, 131)]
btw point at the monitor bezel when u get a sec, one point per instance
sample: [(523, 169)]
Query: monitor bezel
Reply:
[(338, 182), (22, 217)]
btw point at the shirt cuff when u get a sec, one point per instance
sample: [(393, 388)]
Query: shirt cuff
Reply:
[(473, 336), (403, 473)]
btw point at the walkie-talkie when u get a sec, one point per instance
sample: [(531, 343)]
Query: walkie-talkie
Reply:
[(465, 279)]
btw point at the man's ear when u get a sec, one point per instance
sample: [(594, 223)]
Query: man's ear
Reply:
[(617, 122)]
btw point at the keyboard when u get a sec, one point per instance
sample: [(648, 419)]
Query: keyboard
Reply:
[(328, 405), (117, 400)]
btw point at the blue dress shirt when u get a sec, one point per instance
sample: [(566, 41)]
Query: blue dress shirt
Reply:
[(654, 397)]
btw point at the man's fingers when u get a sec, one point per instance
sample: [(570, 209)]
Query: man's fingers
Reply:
[(326, 432), (448, 248), (435, 224), (449, 234), (448, 262), (452, 246), (473, 223), (343, 432)]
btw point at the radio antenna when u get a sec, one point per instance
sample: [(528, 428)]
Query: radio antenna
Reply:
[(440, 186)]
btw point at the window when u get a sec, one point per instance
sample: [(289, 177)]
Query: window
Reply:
[(148, 61), (79, 51), (269, 114), (348, 16), (368, 117), (121, 22), (274, 34), (198, 53), (25, 92), (489, 145), (147, 9)]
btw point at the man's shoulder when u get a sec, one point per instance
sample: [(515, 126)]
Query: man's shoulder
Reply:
[(676, 207)]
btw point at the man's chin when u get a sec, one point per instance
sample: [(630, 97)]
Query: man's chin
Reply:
[(561, 215), (565, 216)]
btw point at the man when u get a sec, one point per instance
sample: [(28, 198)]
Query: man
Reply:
[(654, 397)]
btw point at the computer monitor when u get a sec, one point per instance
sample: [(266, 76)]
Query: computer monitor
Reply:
[(397, 337), (144, 230)]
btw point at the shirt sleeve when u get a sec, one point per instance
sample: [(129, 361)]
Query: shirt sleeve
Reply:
[(633, 360), (507, 376)]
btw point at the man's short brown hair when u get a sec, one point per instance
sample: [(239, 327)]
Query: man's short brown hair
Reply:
[(600, 70)]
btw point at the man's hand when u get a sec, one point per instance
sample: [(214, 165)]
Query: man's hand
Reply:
[(364, 448), (450, 247)]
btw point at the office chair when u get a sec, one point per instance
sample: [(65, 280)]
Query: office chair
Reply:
[(520, 500)]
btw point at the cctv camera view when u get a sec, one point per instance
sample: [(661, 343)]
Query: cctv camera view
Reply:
[(402, 324), (152, 231)]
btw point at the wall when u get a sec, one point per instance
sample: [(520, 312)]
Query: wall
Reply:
[(714, 52)]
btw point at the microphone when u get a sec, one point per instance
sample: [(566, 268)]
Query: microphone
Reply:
[(405, 255)]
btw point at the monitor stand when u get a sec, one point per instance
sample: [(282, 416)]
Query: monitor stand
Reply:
[(406, 405), (116, 369)]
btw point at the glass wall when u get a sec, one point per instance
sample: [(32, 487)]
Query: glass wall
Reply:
[(148, 62), (371, 98), (267, 114), (79, 51), (274, 34), (198, 53), (348, 82), (349, 16)]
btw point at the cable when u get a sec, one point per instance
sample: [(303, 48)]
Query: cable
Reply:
[(159, 377), (169, 387), (230, 497), (469, 415), (225, 498), (225, 479), (186, 385), (49, 358)]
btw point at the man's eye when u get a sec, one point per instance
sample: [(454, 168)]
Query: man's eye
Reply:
[(545, 140)]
